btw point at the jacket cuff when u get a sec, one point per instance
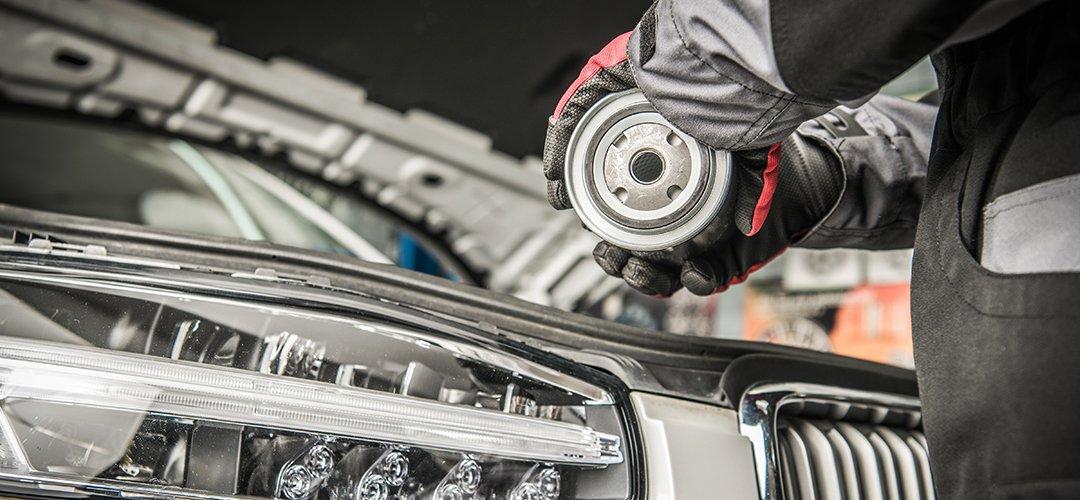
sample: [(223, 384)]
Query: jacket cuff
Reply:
[(884, 175)]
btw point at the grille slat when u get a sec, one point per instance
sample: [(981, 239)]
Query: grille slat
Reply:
[(827, 460), (822, 460), (800, 460), (791, 489), (846, 457), (871, 481), (888, 465), (907, 472), (918, 449)]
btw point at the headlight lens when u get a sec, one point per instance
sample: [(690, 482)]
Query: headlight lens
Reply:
[(180, 393)]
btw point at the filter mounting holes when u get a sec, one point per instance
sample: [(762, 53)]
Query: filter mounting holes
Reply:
[(674, 139), (673, 192), (621, 141)]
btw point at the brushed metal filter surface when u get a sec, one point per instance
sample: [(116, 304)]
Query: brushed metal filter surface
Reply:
[(647, 167)]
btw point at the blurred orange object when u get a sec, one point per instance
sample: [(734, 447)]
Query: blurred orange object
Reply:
[(873, 322)]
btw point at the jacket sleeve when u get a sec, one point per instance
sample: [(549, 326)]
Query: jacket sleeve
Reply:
[(884, 154), (744, 74)]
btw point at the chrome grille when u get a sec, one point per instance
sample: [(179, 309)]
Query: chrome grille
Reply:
[(825, 442), (824, 459)]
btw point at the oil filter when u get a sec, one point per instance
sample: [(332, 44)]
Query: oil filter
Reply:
[(640, 183)]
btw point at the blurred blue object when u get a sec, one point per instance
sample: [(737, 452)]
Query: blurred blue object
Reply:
[(412, 255)]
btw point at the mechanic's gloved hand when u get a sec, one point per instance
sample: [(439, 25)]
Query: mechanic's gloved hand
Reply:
[(781, 194), (607, 72), (741, 249)]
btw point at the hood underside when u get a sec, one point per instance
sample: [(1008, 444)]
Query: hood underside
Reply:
[(495, 67)]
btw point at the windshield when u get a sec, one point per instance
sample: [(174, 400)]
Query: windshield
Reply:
[(125, 175)]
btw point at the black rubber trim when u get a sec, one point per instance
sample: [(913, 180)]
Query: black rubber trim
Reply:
[(748, 371)]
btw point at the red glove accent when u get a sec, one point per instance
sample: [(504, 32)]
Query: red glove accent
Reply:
[(743, 277), (613, 53), (764, 203)]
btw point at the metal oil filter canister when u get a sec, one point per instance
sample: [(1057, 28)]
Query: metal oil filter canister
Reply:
[(640, 183)]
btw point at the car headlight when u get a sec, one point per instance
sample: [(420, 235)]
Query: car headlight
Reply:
[(136, 385)]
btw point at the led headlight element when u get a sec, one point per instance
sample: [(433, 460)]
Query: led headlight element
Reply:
[(461, 483), (303, 476), (538, 484), (390, 471), (394, 467)]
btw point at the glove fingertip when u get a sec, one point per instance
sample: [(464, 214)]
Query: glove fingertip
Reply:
[(553, 173), (650, 279), (557, 195), (699, 277), (610, 258)]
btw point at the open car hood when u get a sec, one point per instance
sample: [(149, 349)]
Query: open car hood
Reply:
[(498, 68)]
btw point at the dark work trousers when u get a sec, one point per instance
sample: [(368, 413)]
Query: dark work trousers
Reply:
[(998, 353)]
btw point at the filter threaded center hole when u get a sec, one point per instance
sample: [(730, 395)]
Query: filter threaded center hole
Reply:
[(646, 167)]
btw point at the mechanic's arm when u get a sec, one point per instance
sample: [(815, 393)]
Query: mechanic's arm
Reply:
[(743, 74), (884, 155)]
